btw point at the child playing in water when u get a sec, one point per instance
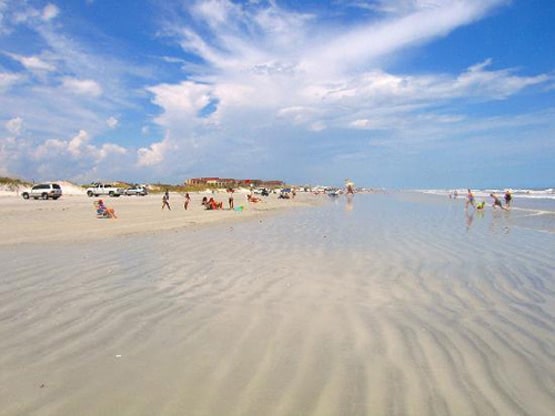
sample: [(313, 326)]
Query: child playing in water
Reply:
[(496, 202)]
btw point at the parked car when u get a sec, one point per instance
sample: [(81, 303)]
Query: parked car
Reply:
[(43, 191), (97, 189), (262, 191), (136, 190)]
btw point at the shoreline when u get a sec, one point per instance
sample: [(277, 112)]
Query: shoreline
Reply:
[(73, 218)]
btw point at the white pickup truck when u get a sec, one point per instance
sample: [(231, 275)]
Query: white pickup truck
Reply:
[(97, 189)]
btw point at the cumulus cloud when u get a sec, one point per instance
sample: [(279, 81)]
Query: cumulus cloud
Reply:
[(75, 145), (82, 86), (154, 154), (49, 12), (330, 70), (14, 125), (184, 99), (183, 105), (258, 76), (334, 77), (77, 148), (112, 122)]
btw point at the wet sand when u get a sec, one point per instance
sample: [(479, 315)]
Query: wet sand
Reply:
[(390, 305)]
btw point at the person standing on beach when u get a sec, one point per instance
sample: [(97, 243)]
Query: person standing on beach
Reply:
[(350, 187), (166, 201), (187, 200), (230, 199), (469, 199), (508, 198)]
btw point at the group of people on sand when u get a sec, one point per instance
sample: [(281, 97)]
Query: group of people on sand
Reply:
[(211, 203), (103, 211), (496, 203), (166, 201), (208, 203)]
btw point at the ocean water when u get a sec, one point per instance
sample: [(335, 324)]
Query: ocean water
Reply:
[(384, 304)]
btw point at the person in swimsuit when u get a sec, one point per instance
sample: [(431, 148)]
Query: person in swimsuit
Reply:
[(508, 198), (102, 211), (496, 202), (230, 200), (469, 199), (166, 201)]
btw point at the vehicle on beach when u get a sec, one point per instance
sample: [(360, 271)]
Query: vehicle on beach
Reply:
[(43, 191), (97, 189), (262, 191), (138, 190)]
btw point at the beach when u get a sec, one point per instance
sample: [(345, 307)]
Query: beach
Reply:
[(72, 218), (383, 304)]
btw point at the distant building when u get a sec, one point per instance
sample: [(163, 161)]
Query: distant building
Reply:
[(230, 182)]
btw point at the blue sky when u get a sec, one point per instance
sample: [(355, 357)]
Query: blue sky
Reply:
[(390, 93)]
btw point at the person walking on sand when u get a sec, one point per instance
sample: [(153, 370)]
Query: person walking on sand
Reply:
[(469, 199), (166, 201), (187, 200)]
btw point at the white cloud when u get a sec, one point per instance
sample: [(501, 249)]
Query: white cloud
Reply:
[(181, 102), (262, 77), (109, 149), (74, 149), (494, 84), (304, 75), (154, 154), (82, 86), (33, 63), (368, 43), (14, 125), (49, 12), (75, 145), (112, 122), (329, 67), (396, 7), (24, 15), (361, 123), (8, 79)]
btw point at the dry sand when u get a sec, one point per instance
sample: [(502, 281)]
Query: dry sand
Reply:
[(73, 218)]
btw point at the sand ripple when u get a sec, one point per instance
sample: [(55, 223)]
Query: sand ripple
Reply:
[(400, 310)]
